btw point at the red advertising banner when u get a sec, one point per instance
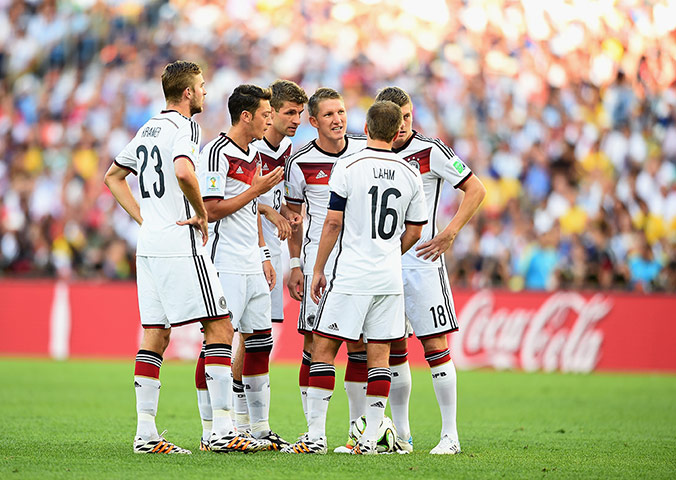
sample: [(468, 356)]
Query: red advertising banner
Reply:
[(547, 331)]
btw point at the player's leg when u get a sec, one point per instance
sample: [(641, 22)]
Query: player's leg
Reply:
[(306, 321), (242, 420), (217, 362), (304, 371), (156, 333), (356, 375), (444, 380), (400, 394), (203, 400)]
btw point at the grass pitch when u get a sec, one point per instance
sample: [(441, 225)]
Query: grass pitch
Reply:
[(76, 419)]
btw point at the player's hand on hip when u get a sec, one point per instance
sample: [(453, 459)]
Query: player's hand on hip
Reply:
[(264, 183), (200, 223), (318, 286), (270, 275), (295, 284), (433, 249)]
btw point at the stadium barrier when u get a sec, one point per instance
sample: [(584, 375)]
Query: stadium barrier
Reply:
[(531, 331)]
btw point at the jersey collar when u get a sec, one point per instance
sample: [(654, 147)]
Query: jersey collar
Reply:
[(405, 145), (337, 155), (175, 111), (245, 152)]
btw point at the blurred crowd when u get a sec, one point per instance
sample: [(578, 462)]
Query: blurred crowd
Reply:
[(566, 110)]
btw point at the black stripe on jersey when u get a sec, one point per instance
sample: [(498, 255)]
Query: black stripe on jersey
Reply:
[(445, 148), (215, 153), (129, 169), (303, 150), (445, 290), (201, 280), (192, 232), (436, 205), (195, 134), (411, 222), (463, 180), (308, 214), (216, 237), (187, 158)]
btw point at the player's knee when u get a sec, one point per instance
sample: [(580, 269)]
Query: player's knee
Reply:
[(433, 344), (260, 342)]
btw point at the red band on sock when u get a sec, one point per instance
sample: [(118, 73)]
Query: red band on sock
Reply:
[(218, 361), (304, 375), (356, 371), (398, 357), (378, 388), (144, 369), (256, 363), (200, 378), (432, 359), (327, 382)]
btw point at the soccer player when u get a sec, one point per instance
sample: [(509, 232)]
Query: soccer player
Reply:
[(277, 220), (307, 181), (378, 205), (429, 304), (231, 183), (176, 281)]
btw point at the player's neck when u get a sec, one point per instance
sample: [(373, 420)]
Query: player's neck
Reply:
[(379, 144), (240, 135), (330, 145), (182, 108), (273, 137), (396, 145)]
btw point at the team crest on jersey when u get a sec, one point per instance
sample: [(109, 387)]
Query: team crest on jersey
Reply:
[(213, 184), (414, 164), (420, 160)]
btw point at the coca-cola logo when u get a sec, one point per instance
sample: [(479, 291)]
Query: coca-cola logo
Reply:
[(561, 334)]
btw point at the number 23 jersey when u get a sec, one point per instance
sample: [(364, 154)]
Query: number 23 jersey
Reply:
[(150, 155)]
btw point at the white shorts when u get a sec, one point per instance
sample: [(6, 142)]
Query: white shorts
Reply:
[(345, 317), (174, 291), (277, 293), (248, 300), (308, 308), (429, 303)]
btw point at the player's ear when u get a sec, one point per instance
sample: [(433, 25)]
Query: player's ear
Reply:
[(366, 129), (246, 116), (313, 122)]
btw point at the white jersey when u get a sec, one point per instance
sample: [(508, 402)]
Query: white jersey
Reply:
[(382, 192), (436, 163), (306, 179), (226, 171), (151, 155), (272, 158)]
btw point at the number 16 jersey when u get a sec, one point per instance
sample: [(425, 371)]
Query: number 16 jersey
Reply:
[(150, 155)]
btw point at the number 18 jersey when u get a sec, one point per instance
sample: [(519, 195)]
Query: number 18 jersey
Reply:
[(382, 193), (150, 155)]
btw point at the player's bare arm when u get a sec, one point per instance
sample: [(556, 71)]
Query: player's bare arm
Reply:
[(294, 242), (295, 219), (330, 232), (187, 181), (410, 236), (268, 269), (474, 193), (116, 181), (278, 220), (219, 208)]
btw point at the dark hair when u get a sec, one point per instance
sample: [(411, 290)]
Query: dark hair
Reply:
[(393, 94), (246, 98), (286, 91), (178, 76), (322, 93), (383, 120)]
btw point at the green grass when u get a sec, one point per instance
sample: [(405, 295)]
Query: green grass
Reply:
[(76, 419)]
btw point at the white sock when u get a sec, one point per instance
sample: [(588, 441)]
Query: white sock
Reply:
[(303, 399), (356, 399), (147, 398), (318, 404), (375, 411), (206, 415), (445, 387), (219, 383), (257, 390), (400, 394), (240, 407)]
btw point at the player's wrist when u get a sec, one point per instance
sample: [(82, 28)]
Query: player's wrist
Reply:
[(265, 254), (295, 262)]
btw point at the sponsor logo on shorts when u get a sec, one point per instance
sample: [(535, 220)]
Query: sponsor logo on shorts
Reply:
[(208, 377), (333, 326)]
